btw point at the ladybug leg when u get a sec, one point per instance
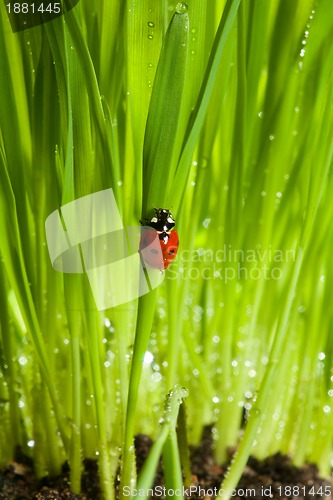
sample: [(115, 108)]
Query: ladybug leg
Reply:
[(144, 222)]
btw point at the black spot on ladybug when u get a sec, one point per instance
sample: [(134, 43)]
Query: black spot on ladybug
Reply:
[(172, 251)]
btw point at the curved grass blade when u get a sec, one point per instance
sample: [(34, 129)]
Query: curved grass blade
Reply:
[(181, 174), (166, 441), (161, 144)]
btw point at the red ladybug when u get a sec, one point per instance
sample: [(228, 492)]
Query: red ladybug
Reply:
[(161, 226)]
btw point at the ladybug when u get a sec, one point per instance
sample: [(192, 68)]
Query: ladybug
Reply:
[(161, 225)]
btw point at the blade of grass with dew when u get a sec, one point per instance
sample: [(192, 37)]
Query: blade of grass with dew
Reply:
[(110, 175), (44, 105), (259, 407), (11, 251), (173, 475), (196, 212), (144, 40), (8, 346), (102, 177), (161, 143), (241, 457), (184, 450), (193, 77), (57, 40), (175, 304), (83, 159), (267, 238), (163, 117), (181, 174)]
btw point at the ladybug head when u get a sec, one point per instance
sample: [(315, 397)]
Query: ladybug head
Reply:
[(162, 220)]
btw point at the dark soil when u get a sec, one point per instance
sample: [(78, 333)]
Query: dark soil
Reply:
[(274, 477)]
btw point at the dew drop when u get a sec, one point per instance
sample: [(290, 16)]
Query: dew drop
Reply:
[(23, 360), (151, 25), (181, 8), (156, 377)]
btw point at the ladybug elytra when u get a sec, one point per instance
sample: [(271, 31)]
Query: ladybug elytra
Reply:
[(163, 224)]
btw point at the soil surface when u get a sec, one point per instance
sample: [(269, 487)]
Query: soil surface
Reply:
[(274, 478)]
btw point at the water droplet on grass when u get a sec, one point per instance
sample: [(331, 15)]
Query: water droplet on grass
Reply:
[(151, 24), (181, 8), (156, 377)]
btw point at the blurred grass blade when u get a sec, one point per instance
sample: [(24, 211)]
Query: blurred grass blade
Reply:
[(11, 252), (199, 114)]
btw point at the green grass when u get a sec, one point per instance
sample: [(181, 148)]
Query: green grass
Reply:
[(221, 112)]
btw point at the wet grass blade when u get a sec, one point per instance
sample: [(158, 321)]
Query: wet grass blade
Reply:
[(162, 144)]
